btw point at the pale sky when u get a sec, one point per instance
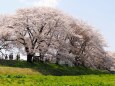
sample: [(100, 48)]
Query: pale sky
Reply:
[(98, 13)]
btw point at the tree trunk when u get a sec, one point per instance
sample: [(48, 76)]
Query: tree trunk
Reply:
[(57, 60), (29, 58), (41, 57)]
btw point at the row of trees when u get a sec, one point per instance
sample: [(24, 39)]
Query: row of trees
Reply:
[(48, 31)]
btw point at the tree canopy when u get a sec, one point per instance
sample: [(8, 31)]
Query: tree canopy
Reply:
[(49, 31)]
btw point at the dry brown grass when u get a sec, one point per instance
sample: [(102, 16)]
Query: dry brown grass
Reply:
[(13, 70)]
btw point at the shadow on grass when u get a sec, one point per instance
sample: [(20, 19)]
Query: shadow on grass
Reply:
[(52, 69)]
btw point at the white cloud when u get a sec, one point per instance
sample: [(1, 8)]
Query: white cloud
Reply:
[(46, 3), (22, 0)]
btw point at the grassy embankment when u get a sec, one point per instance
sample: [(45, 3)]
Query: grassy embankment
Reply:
[(21, 73)]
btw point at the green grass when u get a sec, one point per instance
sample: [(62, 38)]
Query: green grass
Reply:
[(21, 73), (45, 69), (82, 80)]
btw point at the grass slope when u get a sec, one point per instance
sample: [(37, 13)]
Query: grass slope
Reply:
[(21, 73)]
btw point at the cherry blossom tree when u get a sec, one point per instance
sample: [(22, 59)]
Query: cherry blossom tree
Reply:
[(46, 31)]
